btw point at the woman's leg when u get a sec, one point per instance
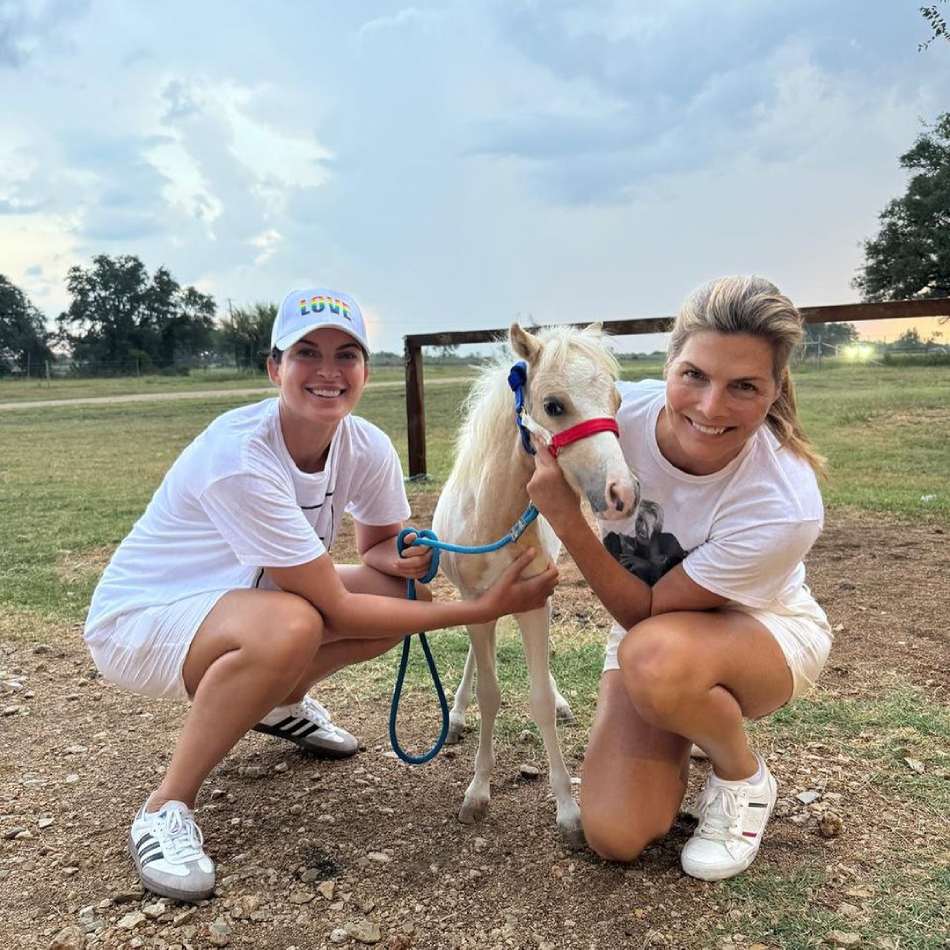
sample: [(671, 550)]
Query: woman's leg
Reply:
[(339, 648), (700, 674), (684, 677), (243, 660), (634, 776)]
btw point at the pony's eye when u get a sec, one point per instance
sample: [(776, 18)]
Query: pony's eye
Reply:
[(553, 407)]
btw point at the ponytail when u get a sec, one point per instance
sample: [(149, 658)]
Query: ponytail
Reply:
[(783, 421)]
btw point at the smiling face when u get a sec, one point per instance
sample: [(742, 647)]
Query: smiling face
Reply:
[(719, 390), (321, 377)]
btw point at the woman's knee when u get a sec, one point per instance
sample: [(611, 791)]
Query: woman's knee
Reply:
[(620, 836), (295, 634), (656, 666)]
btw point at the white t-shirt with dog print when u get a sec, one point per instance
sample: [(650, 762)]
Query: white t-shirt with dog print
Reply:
[(235, 503), (741, 532)]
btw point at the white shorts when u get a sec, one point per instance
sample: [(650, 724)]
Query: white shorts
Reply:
[(800, 628), (144, 650)]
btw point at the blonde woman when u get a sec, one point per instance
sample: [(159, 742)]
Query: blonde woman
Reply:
[(714, 622)]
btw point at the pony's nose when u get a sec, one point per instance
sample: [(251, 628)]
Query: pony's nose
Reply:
[(623, 496)]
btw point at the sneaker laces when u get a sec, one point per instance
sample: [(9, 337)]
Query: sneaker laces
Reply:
[(181, 838), (316, 711), (719, 810)]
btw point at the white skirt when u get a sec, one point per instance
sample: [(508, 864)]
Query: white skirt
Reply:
[(144, 650)]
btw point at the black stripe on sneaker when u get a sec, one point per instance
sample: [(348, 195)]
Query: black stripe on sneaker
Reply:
[(279, 727), (149, 850), (757, 805), (154, 856), (303, 735), (143, 840)]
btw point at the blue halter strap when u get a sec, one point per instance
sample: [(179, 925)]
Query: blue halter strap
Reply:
[(517, 380)]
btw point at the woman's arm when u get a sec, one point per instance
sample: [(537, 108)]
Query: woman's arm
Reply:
[(373, 616), (627, 598)]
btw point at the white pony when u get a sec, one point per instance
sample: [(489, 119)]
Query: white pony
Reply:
[(570, 379)]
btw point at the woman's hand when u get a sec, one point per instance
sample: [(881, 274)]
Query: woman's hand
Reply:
[(414, 562), (512, 594), (550, 493)]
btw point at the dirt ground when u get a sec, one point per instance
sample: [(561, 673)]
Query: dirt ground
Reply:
[(368, 850)]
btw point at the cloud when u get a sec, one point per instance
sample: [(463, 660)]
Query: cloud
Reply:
[(410, 16), (455, 164), (25, 27)]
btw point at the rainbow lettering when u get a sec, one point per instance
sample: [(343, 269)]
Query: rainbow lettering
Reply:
[(317, 305)]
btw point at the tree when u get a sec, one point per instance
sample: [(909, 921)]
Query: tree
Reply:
[(122, 318), (246, 333), (180, 321), (910, 257), (938, 25), (449, 351), (834, 334), (908, 339), (24, 340)]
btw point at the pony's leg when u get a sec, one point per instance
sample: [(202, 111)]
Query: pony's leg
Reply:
[(562, 707), (463, 699), (478, 793), (534, 632)]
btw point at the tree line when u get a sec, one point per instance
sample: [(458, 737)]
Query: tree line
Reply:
[(121, 319)]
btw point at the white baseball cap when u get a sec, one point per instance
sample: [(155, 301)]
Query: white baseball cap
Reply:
[(312, 308)]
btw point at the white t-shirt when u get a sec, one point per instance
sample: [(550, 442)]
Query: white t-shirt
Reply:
[(741, 532), (235, 503)]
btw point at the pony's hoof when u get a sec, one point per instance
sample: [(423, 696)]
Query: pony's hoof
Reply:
[(569, 826), (565, 715), (455, 733), (470, 812), (573, 838)]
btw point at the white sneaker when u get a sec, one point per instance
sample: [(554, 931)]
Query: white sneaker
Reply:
[(166, 846), (732, 819), (308, 724)]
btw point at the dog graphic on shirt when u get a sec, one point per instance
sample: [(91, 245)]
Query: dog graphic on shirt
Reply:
[(651, 552)]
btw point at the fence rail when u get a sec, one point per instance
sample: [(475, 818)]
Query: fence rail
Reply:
[(414, 343)]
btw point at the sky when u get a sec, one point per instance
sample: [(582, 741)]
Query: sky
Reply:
[(460, 165)]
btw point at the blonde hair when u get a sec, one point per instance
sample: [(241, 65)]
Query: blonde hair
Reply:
[(754, 306)]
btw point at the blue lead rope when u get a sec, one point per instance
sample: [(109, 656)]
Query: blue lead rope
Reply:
[(429, 539)]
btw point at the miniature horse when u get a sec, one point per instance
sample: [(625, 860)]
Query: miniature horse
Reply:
[(571, 378)]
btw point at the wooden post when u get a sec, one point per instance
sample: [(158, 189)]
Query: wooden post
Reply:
[(415, 410)]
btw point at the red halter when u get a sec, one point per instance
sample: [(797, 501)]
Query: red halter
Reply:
[(581, 431)]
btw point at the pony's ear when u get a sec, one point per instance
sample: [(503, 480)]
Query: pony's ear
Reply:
[(525, 344), (595, 329)]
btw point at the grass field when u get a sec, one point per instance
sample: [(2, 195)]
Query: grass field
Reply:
[(73, 479)]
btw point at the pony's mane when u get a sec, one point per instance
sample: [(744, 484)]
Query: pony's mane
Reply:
[(488, 410)]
